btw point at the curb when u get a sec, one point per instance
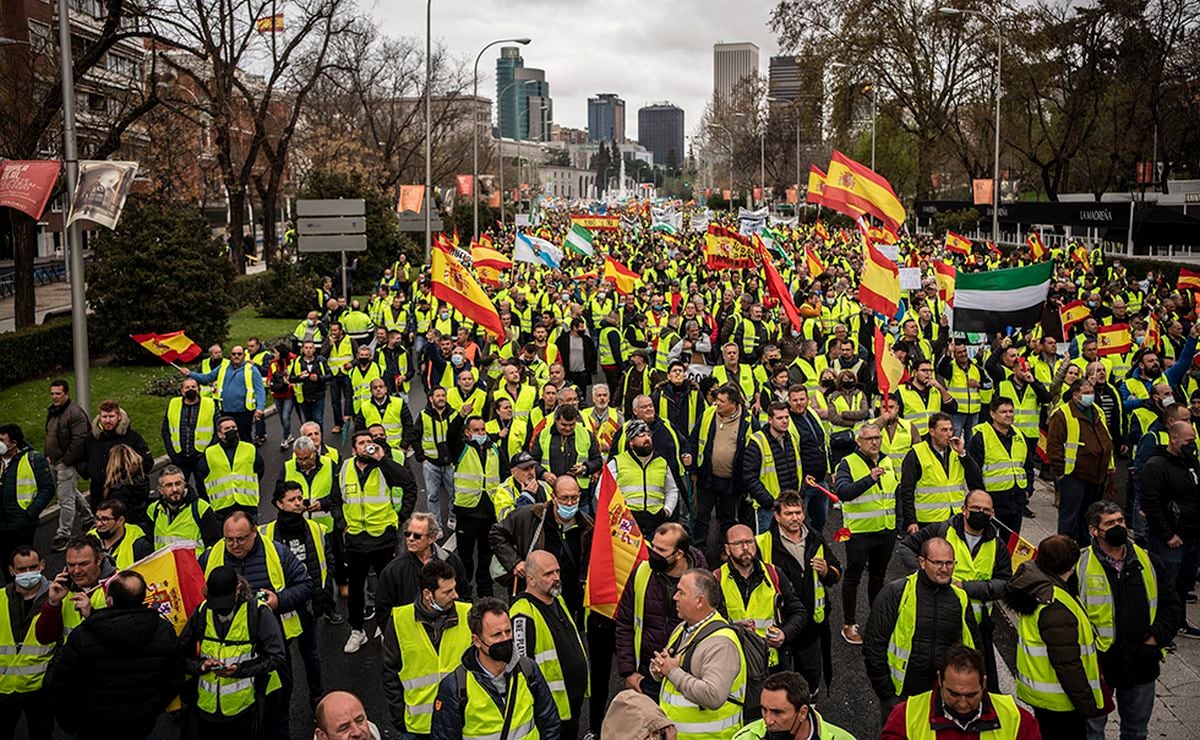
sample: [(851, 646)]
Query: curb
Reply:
[(51, 512)]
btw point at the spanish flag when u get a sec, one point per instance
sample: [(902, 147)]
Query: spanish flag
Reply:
[(816, 186), (616, 553), (454, 284), (813, 264), (880, 285), (889, 371), (178, 582), (1036, 247), (170, 347), (1188, 279), (957, 244), (946, 275), (1153, 333), (1113, 340), (625, 280), (822, 232), (850, 187), (484, 256), (1071, 314), (779, 291), (269, 24)]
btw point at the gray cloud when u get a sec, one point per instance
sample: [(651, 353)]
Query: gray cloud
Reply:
[(644, 52)]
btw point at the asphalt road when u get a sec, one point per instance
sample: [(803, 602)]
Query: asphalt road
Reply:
[(850, 703)]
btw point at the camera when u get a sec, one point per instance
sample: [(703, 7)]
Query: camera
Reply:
[(372, 449)]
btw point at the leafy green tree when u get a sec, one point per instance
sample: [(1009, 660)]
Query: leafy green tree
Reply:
[(161, 270)]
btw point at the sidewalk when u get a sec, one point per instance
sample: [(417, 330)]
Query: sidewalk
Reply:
[(1179, 683)]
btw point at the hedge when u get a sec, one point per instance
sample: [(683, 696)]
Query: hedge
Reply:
[(35, 351)]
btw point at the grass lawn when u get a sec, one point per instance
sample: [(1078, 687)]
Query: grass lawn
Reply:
[(25, 404)]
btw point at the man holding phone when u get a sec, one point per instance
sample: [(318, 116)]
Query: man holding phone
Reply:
[(935, 476)]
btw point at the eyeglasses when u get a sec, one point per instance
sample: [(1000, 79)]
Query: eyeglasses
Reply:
[(239, 540), (567, 501), (414, 535), (100, 519), (979, 510), (740, 543), (237, 354), (871, 439), (941, 563)]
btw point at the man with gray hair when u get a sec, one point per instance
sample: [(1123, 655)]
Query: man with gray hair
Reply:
[(399, 583)]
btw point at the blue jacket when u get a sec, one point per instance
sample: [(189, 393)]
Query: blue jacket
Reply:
[(1171, 377), (233, 393), (300, 587)]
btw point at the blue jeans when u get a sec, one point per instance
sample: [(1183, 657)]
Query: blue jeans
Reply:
[(963, 424), (1074, 498), (1179, 563), (436, 478), (816, 507), (284, 408), (765, 517), (341, 395), (313, 410), (1134, 704)]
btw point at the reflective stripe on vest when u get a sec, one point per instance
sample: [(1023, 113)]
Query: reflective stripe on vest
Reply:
[(1071, 441), (544, 652), (315, 533), (916, 410), (938, 490), (874, 510), (693, 722), (226, 484), (473, 479), (392, 419), (1003, 470), (291, 620), (433, 431), (1037, 681), (1026, 408), (422, 667), (898, 445), (1097, 597), (319, 490), (644, 488), (760, 609), (967, 397), (483, 720), (366, 508), (123, 557), (900, 643), (184, 528), (916, 718), (767, 470), (23, 663), (978, 567), (247, 379), (202, 435), (228, 697)]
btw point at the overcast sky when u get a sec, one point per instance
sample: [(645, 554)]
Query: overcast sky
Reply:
[(644, 51)]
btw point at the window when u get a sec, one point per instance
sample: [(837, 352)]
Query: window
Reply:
[(124, 66), (93, 8), (39, 37)]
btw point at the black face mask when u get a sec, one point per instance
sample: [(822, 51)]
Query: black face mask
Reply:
[(191, 395), (977, 520), (501, 651), (658, 563), (1116, 536), (229, 440), (782, 734), (288, 517)]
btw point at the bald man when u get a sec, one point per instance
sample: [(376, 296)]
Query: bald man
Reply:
[(340, 716), (542, 623)]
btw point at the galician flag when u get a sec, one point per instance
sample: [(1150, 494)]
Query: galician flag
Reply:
[(616, 552), (535, 250), (579, 240)]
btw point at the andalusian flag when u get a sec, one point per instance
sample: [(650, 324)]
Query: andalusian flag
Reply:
[(852, 188), (879, 288), (1188, 279), (1113, 340), (454, 284), (1001, 300), (615, 553), (1036, 246), (1071, 314), (946, 275), (662, 227), (580, 241), (170, 347), (957, 243), (813, 264), (625, 280)]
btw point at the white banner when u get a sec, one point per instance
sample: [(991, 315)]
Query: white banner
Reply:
[(910, 278), (101, 191), (752, 222), (778, 221), (699, 221), (666, 216), (522, 219), (891, 251)]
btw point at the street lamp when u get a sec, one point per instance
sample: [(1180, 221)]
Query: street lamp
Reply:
[(428, 125), (475, 131), (996, 154)]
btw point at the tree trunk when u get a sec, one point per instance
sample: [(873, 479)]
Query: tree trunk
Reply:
[(24, 232), (267, 205), (237, 223)]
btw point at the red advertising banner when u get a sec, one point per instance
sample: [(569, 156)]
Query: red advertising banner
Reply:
[(26, 185), (466, 185)]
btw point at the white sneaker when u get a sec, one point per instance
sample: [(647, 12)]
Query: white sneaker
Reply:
[(358, 638)]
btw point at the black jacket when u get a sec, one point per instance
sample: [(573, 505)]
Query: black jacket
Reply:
[(116, 674), (399, 582), (589, 352), (513, 538), (266, 633), (800, 575), (448, 720), (660, 618), (1171, 495), (12, 514), (989, 590), (939, 627), (99, 443)]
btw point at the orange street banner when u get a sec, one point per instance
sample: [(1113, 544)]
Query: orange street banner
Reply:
[(1113, 340), (957, 243), (466, 185), (1071, 314), (171, 347), (455, 285), (851, 186), (946, 276), (174, 583), (880, 285), (596, 223), (1188, 279), (1034, 242), (982, 190), (816, 185), (411, 198), (615, 556), (269, 24), (725, 248), (624, 279)]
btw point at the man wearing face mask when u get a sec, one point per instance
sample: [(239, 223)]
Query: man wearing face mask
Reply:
[(188, 426), (544, 631), (229, 473), (1134, 611), (960, 706), (26, 487), (240, 392), (1080, 450), (644, 477), (788, 713), (476, 479), (362, 373), (1148, 371), (494, 687), (1172, 509), (982, 565), (423, 642), (23, 661)]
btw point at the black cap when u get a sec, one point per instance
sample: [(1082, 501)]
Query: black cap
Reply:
[(523, 459), (222, 587)]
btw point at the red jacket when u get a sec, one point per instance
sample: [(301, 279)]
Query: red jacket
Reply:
[(896, 726)]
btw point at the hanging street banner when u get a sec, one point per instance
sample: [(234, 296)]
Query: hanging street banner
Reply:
[(26, 185), (596, 223), (101, 191)]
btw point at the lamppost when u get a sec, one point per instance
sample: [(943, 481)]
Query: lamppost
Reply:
[(500, 145), (428, 125), (726, 130), (996, 153), (475, 131), (525, 112), (71, 235)]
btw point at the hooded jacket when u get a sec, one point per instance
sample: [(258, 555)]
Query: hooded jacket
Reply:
[(117, 672), (1032, 587), (99, 444), (449, 719)]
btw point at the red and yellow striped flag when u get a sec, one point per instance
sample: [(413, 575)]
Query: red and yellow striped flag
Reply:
[(851, 186), (625, 280), (946, 276), (454, 284), (269, 24), (1113, 340), (1188, 279), (1153, 333), (1036, 246), (1071, 314), (615, 553), (816, 186), (957, 243), (880, 285), (822, 232), (812, 263), (170, 347)]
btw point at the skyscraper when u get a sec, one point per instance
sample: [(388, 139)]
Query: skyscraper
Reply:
[(606, 118), (522, 93), (784, 78), (660, 129), (731, 64), (508, 96)]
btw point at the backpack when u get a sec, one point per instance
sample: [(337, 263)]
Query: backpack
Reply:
[(754, 647)]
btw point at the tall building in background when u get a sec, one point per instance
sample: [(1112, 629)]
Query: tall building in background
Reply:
[(606, 118), (524, 110), (660, 129), (732, 63), (784, 78)]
